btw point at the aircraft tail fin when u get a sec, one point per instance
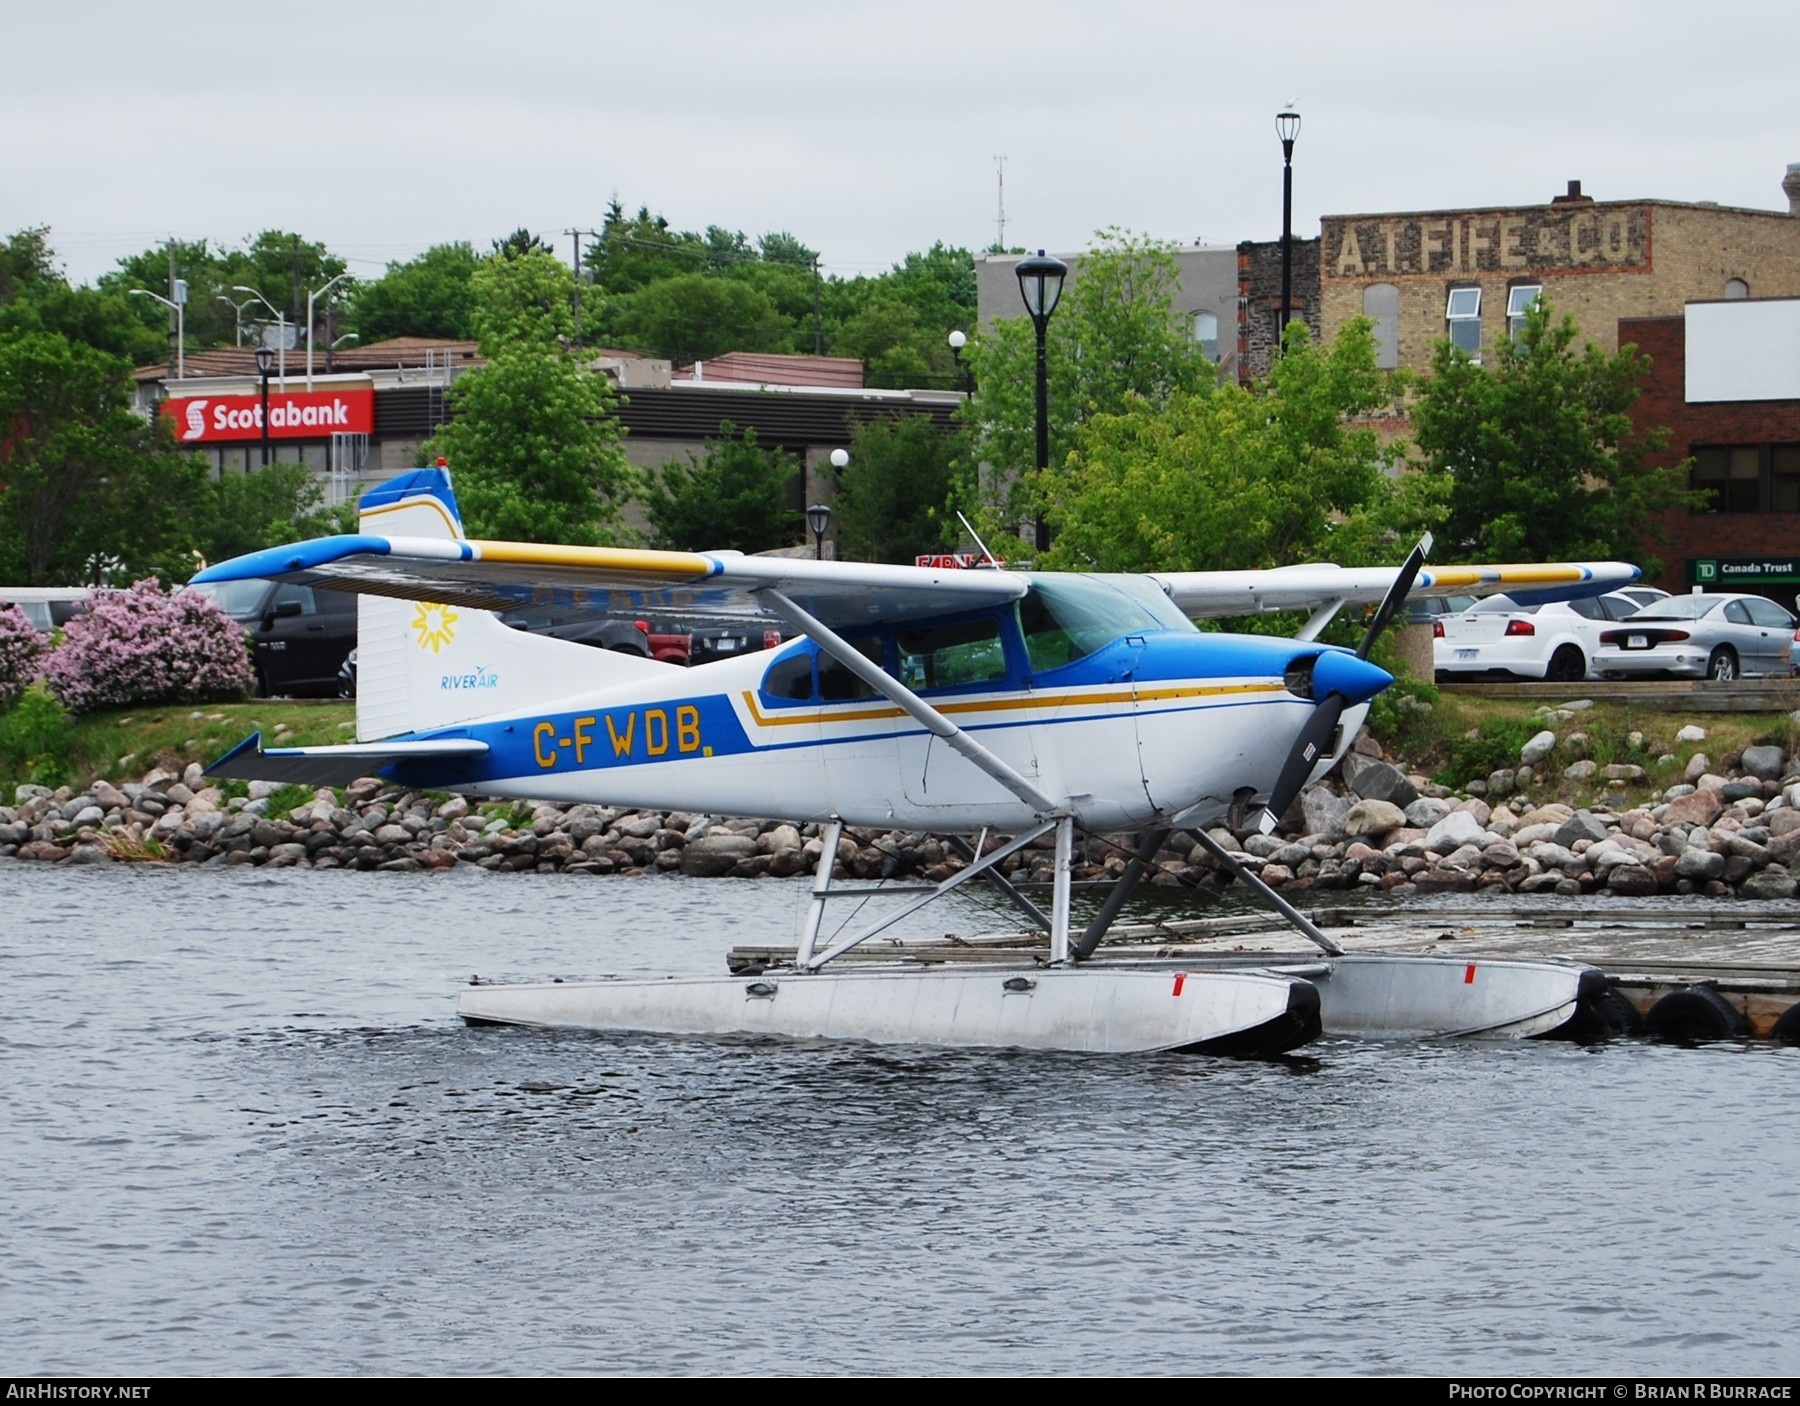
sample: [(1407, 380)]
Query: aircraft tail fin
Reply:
[(423, 665)]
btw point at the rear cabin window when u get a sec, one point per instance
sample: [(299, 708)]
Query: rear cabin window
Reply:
[(809, 674)]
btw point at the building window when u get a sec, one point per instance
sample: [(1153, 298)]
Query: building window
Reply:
[(1463, 314), (1736, 288), (1519, 299), (1206, 333), (1381, 305), (1748, 478)]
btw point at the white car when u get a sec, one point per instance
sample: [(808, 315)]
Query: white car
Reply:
[(1499, 637)]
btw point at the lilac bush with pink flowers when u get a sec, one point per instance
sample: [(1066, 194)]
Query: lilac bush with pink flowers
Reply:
[(142, 645), (21, 652)]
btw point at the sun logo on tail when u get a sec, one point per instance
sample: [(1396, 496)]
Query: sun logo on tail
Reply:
[(435, 625)]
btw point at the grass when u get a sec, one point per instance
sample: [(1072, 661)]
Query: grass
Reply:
[(122, 746)]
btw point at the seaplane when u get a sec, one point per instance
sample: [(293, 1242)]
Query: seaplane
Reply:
[(1019, 708)]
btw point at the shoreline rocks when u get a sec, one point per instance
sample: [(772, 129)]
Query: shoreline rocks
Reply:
[(1714, 834)]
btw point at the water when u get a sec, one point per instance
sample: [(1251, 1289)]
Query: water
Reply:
[(247, 1135)]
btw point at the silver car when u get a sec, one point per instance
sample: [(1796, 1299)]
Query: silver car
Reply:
[(1699, 636)]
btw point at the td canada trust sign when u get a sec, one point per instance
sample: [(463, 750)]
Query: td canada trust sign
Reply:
[(220, 419), (1561, 239)]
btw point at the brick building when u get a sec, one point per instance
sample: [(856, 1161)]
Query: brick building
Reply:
[(1725, 383), (1259, 300), (1468, 275)]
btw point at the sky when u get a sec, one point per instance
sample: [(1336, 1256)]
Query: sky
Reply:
[(384, 127)]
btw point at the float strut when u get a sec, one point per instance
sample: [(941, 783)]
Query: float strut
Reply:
[(1121, 893), (1255, 883)]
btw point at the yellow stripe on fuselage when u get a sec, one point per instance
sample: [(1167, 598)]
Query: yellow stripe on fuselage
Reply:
[(1036, 702)]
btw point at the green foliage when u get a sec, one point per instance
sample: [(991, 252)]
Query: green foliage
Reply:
[(892, 497), (1538, 449), (284, 799), (278, 264), (35, 741), (1223, 477), (1115, 341), (1403, 716), (35, 297), (693, 317), (247, 512), (83, 475), (735, 497), (534, 439), (1493, 746), (430, 296)]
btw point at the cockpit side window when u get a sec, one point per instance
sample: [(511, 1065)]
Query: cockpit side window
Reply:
[(808, 673), (952, 656)]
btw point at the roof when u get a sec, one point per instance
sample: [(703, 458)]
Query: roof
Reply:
[(777, 369), (394, 353)]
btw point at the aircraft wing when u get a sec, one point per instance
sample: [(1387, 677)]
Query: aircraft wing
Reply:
[(1214, 593), (618, 580)]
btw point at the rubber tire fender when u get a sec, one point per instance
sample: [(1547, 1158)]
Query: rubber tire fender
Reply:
[(1786, 1030), (1694, 1014)]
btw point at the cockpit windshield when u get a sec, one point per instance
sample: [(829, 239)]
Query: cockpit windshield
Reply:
[(1065, 617)]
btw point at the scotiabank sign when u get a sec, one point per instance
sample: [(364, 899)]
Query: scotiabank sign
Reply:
[(292, 415)]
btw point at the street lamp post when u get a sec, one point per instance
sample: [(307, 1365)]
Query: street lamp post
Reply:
[(176, 305), (264, 360), (1287, 127), (959, 340), (237, 316), (1041, 285), (818, 518), (309, 323), (281, 324)]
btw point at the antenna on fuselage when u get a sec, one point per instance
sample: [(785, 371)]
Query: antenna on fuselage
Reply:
[(987, 557)]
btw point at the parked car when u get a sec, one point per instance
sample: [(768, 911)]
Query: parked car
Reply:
[(47, 607), (1428, 610), (1555, 642), (1723, 636), (299, 635)]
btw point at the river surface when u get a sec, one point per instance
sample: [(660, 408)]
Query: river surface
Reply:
[(247, 1134)]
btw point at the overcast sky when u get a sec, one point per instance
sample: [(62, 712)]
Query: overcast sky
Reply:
[(866, 130)]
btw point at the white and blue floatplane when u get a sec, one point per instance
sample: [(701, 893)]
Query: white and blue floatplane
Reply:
[(959, 702)]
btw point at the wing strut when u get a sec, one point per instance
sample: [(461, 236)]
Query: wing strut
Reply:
[(909, 702)]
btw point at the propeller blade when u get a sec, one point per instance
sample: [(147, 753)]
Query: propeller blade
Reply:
[(1396, 596), (1313, 742)]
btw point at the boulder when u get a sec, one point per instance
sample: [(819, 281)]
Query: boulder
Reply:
[(1323, 812), (1373, 817), (1454, 830), (1580, 826), (1764, 763), (1538, 748), (1699, 808), (1773, 882), (713, 855), (1382, 781)]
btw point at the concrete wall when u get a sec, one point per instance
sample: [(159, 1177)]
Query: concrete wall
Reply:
[(1207, 282)]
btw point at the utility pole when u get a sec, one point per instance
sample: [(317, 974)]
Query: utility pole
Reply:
[(575, 234)]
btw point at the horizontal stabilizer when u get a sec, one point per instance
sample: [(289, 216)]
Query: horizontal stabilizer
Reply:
[(335, 766)]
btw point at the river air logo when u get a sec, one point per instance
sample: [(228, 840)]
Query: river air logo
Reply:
[(196, 420), (435, 626)]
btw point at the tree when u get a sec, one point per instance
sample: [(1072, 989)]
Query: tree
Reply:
[(520, 243), (430, 296), (1539, 451), (692, 317), (734, 498), (246, 512), (82, 475), (534, 438), (1227, 477), (1115, 337), (893, 496)]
